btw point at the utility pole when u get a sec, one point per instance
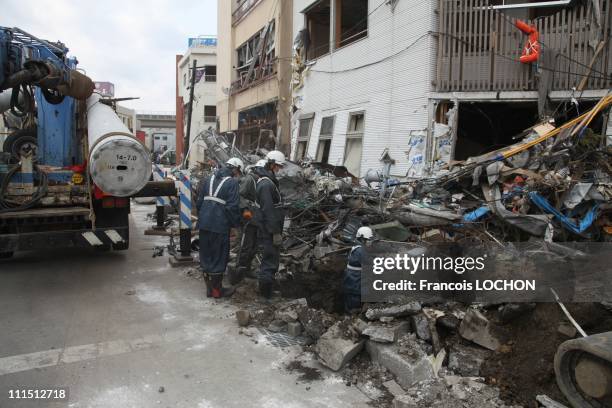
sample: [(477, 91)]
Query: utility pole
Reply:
[(189, 113)]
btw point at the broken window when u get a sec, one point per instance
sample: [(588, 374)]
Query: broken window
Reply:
[(210, 113), (354, 143), (249, 52), (325, 138), (351, 21), (303, 136), (318, 23)]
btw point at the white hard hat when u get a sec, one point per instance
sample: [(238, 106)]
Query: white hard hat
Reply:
[(261, 163), (365, 233), (235, 162), (277, 157)]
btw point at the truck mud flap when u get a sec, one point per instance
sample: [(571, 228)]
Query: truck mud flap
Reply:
[(64, 239)]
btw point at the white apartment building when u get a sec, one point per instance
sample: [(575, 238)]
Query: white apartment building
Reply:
[(366, 75), (420, 84), (203, 50)]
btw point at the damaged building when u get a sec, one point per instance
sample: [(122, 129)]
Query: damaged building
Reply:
[(420, 85), (253, 95)]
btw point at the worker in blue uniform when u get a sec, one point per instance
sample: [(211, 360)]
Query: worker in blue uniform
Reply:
[(270, 218), (248, 207), (218, 212), (351, 284)]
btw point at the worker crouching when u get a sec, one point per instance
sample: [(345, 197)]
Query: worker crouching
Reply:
[(270, 218), (218, 212), (351, 284)]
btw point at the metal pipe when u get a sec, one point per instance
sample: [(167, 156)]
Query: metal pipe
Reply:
[(119, 164)]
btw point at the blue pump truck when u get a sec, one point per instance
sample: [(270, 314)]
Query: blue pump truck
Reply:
[(68, 164)]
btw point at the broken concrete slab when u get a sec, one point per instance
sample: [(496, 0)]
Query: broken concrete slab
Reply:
[(406, 309), (466, 360), (420, 326), (405, 401), (394, 388), (477, 328), (408, 369), (386, 333), (294, 328), (334, 350)]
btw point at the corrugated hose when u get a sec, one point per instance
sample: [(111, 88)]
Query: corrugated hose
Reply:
[(41, 191)]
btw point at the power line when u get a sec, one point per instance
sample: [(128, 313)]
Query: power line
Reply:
[(379, 61)]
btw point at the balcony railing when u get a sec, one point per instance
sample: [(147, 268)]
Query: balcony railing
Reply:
[(479, 48), (243, 9)]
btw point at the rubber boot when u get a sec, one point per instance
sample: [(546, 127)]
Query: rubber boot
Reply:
[(218, 291), (208, 284)]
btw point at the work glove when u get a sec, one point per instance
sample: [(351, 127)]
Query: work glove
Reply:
[(277, 239)]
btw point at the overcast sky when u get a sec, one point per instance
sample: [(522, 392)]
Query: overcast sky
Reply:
[(131, 43)]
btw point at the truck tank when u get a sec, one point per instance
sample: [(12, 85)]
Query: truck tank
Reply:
[(119, 164)]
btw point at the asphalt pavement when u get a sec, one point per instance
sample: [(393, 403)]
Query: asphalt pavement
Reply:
[(124, 329)]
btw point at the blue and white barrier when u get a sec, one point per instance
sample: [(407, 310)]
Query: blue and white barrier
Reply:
[(184, 188)]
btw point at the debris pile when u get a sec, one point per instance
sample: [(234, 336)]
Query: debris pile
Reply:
[(553, 186)]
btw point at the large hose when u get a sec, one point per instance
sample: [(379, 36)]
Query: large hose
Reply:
[(41, 191)]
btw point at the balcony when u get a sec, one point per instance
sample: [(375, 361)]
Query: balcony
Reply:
[(243, 9), (260, 75), (479, 47)]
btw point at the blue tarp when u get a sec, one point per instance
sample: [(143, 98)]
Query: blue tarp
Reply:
[(568, 223), (476, 214)]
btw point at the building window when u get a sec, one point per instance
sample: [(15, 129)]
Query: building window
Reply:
[(210, 113), (303, 137), (354, 143), (248, 51), (210, 73), (351, 21), (325, 139), (318, 23)]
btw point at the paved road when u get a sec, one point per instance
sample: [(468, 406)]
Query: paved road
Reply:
[(116, 327)]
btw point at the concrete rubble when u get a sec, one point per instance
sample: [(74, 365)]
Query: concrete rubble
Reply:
[(334, 349), (477, 328)]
